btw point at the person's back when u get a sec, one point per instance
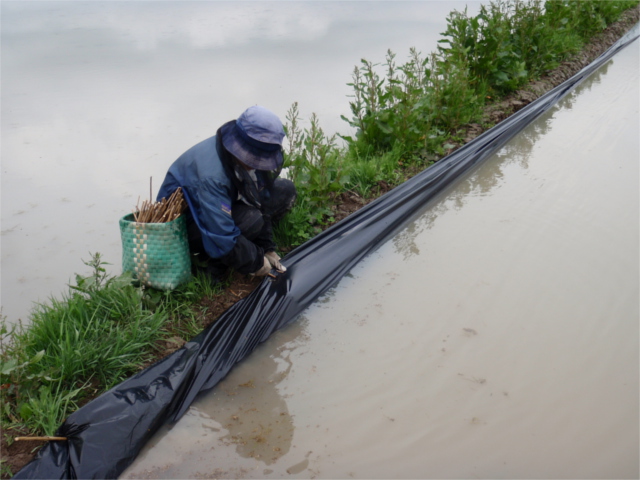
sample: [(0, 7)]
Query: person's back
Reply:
[(233, 193)]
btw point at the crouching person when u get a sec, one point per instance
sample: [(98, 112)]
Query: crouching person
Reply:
[(234, 195)]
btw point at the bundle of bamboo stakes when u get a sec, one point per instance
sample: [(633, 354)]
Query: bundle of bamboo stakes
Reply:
[(160, 212)]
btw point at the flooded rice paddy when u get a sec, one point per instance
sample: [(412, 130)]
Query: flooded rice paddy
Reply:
[(496, 336), (99, 96)]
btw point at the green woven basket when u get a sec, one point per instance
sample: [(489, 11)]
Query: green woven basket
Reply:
[(156, 253)]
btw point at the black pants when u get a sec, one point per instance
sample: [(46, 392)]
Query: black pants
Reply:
[(254, 224)]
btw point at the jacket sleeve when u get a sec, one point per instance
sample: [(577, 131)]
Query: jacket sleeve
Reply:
[(220, 236), (265, 238), (245, 257)]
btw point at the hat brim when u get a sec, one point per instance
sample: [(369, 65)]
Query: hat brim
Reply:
[(250, 155)]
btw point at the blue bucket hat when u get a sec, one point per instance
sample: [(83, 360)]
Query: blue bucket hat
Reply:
[(256, 139)]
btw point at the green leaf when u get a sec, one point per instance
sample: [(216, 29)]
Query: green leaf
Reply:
[(6, 410), (72, 394), (25, 411), (37, 357), (384, 127), (121, 281), (9, 366), (502, 77)]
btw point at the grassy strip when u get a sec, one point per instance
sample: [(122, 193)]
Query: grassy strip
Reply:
[(94, 338), (410, 115), (405, 118)]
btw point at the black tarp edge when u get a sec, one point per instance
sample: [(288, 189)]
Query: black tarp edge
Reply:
[(105, 436)]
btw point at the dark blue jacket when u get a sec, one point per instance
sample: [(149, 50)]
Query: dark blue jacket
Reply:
[(210, 195)]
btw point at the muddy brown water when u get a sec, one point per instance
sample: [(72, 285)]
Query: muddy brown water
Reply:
[(496, 336)]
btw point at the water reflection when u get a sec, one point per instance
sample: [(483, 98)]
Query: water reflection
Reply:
[(485, 181), (249, 404)]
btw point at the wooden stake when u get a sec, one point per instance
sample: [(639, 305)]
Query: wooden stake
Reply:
[(42, 439), (165, 210)]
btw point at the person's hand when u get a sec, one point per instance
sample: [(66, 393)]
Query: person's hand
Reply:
[(266, 268), (274, 260)]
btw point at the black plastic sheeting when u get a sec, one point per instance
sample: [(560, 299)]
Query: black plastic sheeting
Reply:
[(105, 435)]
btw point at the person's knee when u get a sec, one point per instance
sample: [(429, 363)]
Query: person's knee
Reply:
[(286, 186), (249, 220), (283, 198)]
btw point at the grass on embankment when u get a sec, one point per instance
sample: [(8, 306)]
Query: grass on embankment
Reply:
[(90, 340), (406, 117)]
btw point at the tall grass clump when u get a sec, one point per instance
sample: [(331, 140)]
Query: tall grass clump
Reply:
[(90, 340), (365, 172), (94, 337)]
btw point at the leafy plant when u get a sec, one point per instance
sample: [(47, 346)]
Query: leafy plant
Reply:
[(46, 410), (585, 18), (98, 277), (314, 164), (488, 41)]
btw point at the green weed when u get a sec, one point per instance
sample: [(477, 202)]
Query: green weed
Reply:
[(583, 17), (99, 333), (365, 172), (315, 164), (412, 106), (45, 410)]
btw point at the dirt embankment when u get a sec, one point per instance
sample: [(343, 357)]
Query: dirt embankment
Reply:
[(18, 454)]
